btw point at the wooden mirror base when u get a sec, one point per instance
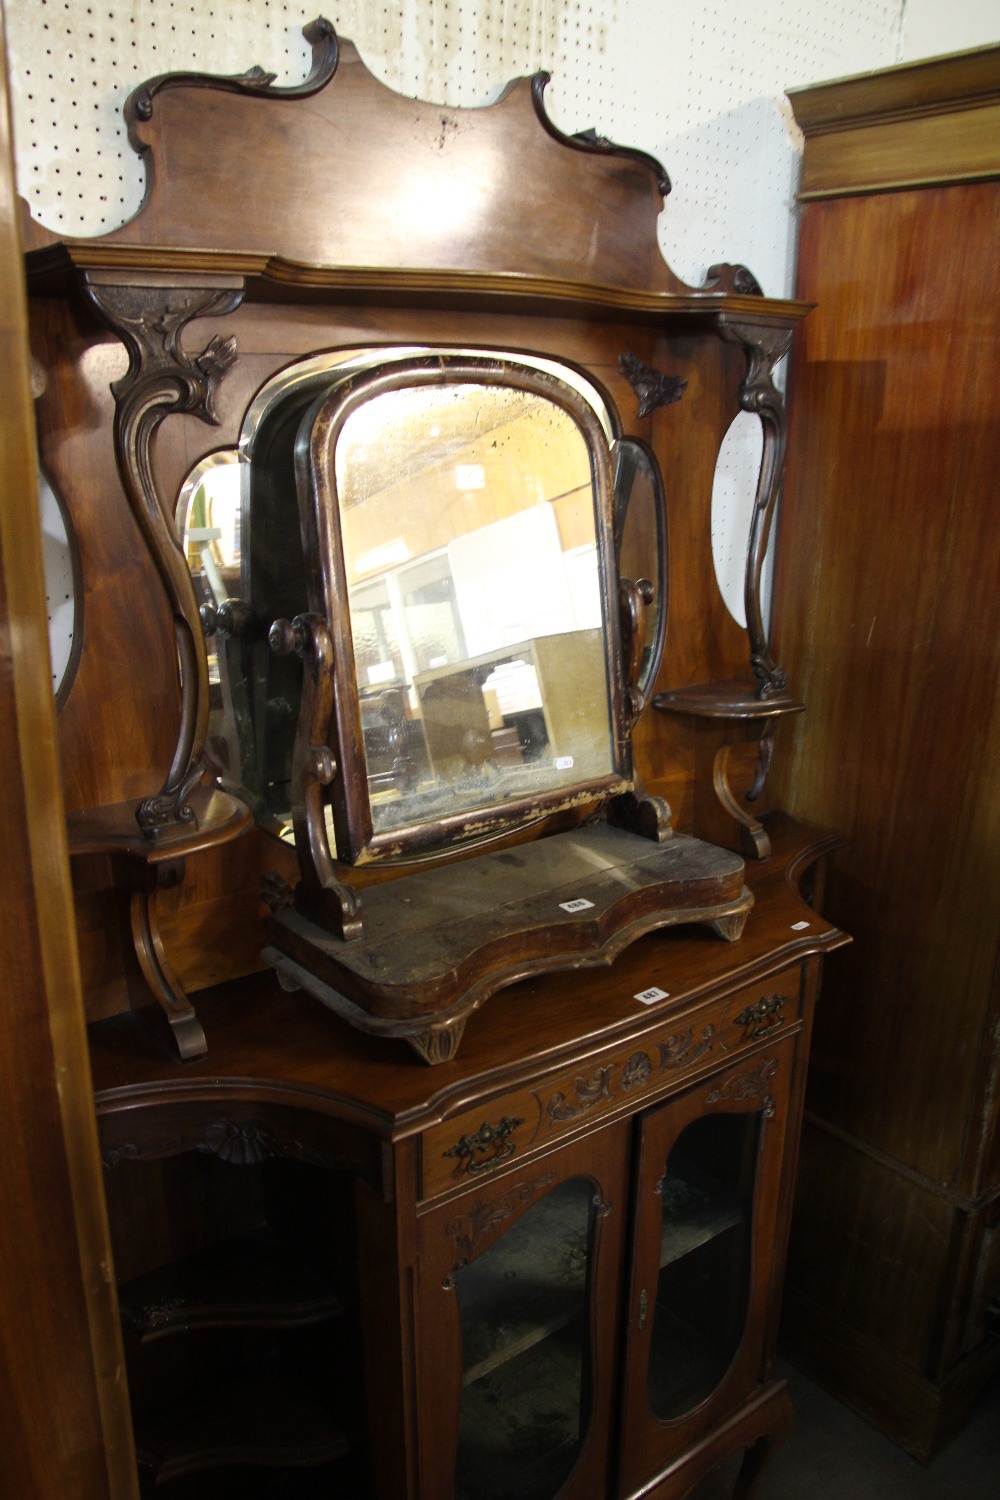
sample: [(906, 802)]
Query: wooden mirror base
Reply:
[(439, 943)]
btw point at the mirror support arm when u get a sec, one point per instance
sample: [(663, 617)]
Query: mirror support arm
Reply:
[(634, 598), (319, 895)]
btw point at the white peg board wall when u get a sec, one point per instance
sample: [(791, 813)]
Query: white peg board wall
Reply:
[(700, 86)]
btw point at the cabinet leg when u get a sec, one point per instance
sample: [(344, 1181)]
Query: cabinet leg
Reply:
[(757, 1457)]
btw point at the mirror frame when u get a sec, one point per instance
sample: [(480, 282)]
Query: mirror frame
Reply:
[(330, 716)]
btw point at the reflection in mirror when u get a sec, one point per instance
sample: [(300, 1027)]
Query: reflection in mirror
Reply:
[(209, 526), (63, 595), (734, 490), (467, 523)]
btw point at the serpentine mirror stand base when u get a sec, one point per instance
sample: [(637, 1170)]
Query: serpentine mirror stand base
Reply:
[(437, 944)]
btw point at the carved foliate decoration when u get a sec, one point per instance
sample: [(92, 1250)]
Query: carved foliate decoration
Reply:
[(133, 1151), (653, 387), (242, 1145), (274, 891), (729, 278), (247, 1144), (586, 1093), (163, 378), (679, 1051), (469, 1228), (764, 344), (590, 140), (636, 1071), (749, 1087)]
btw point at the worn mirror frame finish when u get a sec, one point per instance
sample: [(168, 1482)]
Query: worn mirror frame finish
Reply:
[(357, 842)]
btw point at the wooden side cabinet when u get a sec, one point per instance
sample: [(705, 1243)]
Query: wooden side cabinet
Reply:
[(549, 1269), (886, 587)]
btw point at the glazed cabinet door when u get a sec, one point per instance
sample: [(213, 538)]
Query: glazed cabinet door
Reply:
[(517, 1300), (708, 1193)]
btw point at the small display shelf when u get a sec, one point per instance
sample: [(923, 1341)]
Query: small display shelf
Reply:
[(696, 1209), (545, 1272), (262, 1422), (252, 1279)]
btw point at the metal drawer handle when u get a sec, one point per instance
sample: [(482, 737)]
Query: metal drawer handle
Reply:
[(482, 1152), (762, 1018)]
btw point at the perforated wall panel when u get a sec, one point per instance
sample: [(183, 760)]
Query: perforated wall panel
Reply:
[(699, 86)]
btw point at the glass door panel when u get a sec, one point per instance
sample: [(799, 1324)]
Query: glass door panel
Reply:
[(703, 1286), (709, 1184), (523, 1308)]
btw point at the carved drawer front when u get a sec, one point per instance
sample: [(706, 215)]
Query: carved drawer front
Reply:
[(482, 1140)]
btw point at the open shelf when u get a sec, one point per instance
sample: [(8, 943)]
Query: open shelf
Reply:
[(521, 1423), (696, 1208), (252, 1279), (536, 1275), (260, 1422)]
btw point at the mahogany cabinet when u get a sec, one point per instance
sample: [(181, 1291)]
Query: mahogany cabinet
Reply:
[(886, 606), (549, 1263), (550, 1267)]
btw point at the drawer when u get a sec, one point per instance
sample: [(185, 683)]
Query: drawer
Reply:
[(485, 1138)]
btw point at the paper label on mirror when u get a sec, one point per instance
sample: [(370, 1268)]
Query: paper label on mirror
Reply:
[(563, 762), (650, 996), (580, 904)]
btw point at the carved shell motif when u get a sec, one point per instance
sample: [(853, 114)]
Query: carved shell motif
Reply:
[(242, 1145)]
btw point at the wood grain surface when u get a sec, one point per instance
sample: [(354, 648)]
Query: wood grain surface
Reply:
[(64, 1429)]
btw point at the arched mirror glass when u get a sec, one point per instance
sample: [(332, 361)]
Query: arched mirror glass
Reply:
[(467, 525)]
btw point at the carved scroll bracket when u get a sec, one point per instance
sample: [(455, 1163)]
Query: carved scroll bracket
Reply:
[(149, 315), (764, 343), (325, 53), (155, 993)]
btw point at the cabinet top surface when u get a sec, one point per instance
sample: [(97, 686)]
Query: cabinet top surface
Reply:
[(269, 1046)]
